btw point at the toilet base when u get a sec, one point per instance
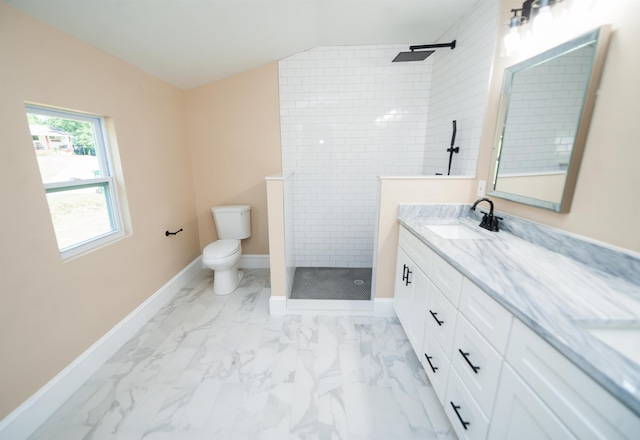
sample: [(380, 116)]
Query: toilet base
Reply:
[(226, 281)]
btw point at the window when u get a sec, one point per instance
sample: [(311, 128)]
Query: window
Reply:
[(73, 157)]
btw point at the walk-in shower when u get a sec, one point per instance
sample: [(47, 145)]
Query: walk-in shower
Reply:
[(348, 115)]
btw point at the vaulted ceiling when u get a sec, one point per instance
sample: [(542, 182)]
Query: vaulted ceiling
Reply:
[(190, 43)]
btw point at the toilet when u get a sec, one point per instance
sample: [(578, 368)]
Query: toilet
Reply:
[(233, 223)]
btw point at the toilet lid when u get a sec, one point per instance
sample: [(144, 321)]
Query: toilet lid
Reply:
[(221, 248)]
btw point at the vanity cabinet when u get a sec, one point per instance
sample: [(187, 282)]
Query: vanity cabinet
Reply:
[(462, 340), (493, 375), (542, 388)]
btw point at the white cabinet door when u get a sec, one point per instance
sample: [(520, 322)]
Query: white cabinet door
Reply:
[(418, 308), (584, 407), (520, 414), (403, 287)]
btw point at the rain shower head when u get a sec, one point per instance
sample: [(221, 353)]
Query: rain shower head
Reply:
[(421, 55), (412, 56)]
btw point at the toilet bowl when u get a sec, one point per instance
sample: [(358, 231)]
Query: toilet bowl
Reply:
[(223, 257), (233, 223)]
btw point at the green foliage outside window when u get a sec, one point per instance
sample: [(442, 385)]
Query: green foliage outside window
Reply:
[(82, 135)]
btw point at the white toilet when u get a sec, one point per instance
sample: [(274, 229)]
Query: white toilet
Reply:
[(233, 223)]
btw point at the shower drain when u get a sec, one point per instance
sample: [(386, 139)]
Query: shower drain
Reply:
[(358, 282)]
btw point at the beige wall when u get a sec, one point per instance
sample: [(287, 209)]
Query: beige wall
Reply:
[(538, 186), (51, 311), (606, 204), (234, 134), (394, 192)]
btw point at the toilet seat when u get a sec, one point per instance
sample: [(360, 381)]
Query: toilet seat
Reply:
[(221, 249)]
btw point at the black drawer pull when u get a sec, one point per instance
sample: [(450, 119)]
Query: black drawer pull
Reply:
[(473, 367), (405, 268), (435, 317), (464, 424), (430, 364)]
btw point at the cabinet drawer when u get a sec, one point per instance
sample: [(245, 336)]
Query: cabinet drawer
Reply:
[(441, 319), (435, 364), (419, 252), (446, 278), (520, 414), (488, 317), (587, 409), (463, 412), (477, 363)]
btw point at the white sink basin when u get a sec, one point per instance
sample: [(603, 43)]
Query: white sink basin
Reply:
[(625, 340), (457, 232)]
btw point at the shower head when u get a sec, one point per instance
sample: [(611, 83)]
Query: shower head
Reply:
[(421, 54), (412, 56)]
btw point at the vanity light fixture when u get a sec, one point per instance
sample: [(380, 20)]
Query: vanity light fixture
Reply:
[(512, 39), (544, 20), (537, 11)]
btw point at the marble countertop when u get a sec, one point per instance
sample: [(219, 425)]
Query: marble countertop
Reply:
[(554, 282)]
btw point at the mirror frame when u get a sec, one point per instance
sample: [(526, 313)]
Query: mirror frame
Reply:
[(600, 37)]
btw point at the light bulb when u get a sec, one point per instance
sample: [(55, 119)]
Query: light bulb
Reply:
[(512, 41), (543, 21)]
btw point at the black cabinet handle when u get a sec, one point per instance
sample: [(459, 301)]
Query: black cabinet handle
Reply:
[(435, 317), (405, 268), (464, 424), (473, 367), (408, 273), (430, 364)]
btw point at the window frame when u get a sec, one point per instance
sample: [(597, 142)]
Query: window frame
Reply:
[(106, 182)]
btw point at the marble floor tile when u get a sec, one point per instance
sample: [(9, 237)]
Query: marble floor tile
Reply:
[(220, 367)]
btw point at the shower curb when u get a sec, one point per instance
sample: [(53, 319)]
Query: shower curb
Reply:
[(379, 307)]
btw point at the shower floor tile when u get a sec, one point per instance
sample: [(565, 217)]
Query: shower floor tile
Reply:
[(332, 283), (220, 367)]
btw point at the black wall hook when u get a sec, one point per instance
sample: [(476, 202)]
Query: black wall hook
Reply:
[(167, 233)]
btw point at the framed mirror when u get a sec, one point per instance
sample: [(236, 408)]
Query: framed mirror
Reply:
[(543, 121)]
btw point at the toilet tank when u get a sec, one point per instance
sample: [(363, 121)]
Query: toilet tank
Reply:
[(232, 221)]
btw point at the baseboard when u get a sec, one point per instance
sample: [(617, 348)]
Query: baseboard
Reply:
[(383, 307), (277, 305), (254, 261), (25, 419)]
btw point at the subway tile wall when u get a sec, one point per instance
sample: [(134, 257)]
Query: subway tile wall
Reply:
[(348, 114), (545, 105), (460, 86)]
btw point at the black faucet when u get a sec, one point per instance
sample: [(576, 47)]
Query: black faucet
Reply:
[(489, 221)]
